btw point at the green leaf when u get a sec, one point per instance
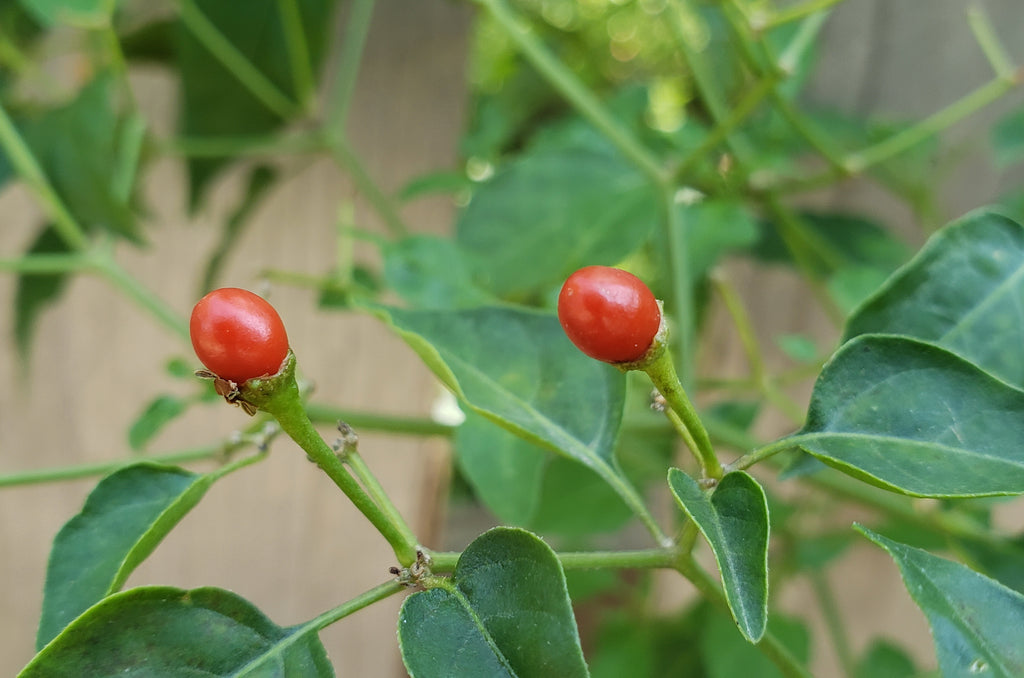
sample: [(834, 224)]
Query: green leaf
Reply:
[(1002, 559), (432, 273), (35, 292), (80, 147), (914, 418), (125, 517), (504, 612), (529, 487), (885, 660), (78, 13), (1008, 138), (727, 655), (517, 368), (163, 631), (713, 228), (550, 212), (964, 291), (161, 411), (504, 470), (435, 183), (734, 520), (977, 623), (214, 102)]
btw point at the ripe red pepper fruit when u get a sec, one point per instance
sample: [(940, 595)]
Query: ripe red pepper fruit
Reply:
[(238, 335), (610, 314)]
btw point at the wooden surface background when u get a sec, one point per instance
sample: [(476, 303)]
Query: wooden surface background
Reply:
[(278, 533)]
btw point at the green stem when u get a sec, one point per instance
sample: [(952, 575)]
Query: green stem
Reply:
[(682, 287), (994, 51), (374, 595), (142, 296), (896, 144), (298, 52), (746, 106), (234, 61), (371, 421), (748, 338), (269, 145), (661, 558), (759, 454), (46, 264), (833, 622), (663, 374), (376, 491), (569, 86), (792, 13), (347, 158), (27, 167), (279, 396), (353, 42), (769, 645), (49, 475)]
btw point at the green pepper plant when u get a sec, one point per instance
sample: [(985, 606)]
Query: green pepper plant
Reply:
[(616, 154)]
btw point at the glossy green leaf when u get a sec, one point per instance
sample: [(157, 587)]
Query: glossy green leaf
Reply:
[(163, 631), (517, 368), (214, 102), (964, 290), (551, 212), (35, 292), (125, 517), (79, 13), (734, 520), (504, 612), (161, 411), (977, 623), (1008, 138), (914, 418)]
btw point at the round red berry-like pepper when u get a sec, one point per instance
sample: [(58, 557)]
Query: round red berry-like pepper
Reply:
[(238, 335), (610, 314)]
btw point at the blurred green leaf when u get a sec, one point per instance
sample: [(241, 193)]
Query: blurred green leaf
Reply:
[(548, 213), (798, 347), (850, 240), (79, 147), (914, 418), (34, 292), (435, 183), (734, 520), (505, 612), (432, 273), (964, 291), (576, 502), (713, 227), (125, 517), (1008, 138), (727, 654), (161, 411), (1003, 560), (214, 103), (977, 623), (885, 660), (163, 631), (78, 13)]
